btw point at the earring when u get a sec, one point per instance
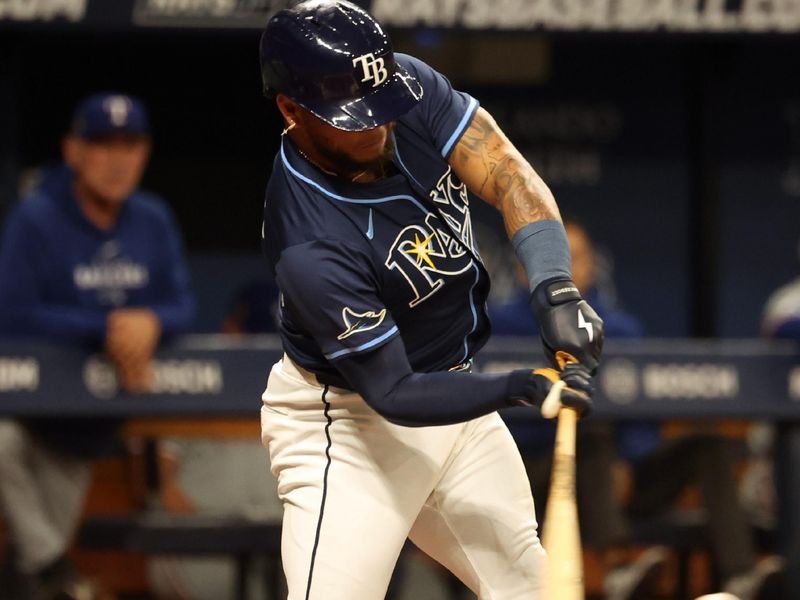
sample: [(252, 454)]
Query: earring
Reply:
[(291, 126)]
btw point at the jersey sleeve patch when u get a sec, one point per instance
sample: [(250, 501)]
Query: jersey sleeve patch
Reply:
[(356, 322), (331, 295)]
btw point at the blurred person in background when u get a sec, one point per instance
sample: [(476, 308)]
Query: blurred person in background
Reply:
[(781, 318), (91, 261), (657, 470)]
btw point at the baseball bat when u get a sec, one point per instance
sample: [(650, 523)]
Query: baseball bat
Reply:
[(563, 577)]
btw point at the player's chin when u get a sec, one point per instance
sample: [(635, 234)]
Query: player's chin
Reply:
[(368, 153), (114, 192), (372, 146)]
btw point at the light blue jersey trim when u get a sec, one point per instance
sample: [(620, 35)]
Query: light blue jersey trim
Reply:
[(460, 129), (330, 194), (474, 312), (364, 346)]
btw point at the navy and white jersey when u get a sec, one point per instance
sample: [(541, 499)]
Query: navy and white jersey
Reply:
[(358, 264), (60, 275)]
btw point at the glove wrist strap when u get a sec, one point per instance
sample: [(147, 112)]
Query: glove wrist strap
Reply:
[(553, 292)]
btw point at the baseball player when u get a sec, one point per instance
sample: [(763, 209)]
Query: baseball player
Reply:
[(375, 427)]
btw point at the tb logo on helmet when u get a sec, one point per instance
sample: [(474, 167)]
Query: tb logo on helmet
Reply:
[(373, 68)]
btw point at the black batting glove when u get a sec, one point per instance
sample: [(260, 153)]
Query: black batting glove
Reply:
[(530, 388), (578, 377), (570, 329)]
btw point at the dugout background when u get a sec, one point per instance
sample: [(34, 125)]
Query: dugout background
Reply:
[(681, 153)]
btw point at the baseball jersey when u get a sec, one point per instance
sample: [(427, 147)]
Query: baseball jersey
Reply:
[(359, 264), (60, 275)]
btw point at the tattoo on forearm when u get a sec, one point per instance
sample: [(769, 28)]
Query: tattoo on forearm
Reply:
[(479, 147), (495, 170)]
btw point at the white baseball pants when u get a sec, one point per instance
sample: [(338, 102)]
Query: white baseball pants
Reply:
[(354, 486), (41, 495)]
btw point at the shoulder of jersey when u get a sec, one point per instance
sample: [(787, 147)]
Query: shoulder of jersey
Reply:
[(39, 210), (412, 64)]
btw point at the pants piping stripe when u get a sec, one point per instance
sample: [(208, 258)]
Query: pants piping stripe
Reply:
[(324, 490)]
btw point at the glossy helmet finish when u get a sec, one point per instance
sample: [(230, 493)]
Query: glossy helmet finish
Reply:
[(335, 60)]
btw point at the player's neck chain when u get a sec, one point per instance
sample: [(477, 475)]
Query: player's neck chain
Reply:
[(357, 176)]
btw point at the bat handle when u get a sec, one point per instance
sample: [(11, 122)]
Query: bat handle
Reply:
[(565, 431)]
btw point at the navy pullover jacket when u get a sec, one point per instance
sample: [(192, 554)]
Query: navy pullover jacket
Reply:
[(60, 275)]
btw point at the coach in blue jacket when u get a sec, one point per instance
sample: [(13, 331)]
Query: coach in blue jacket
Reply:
[(87, 260)]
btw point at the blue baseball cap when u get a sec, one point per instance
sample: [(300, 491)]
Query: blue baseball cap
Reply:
[(109, 113)]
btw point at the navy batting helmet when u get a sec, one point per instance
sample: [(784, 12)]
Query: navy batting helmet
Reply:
[(335, 60)]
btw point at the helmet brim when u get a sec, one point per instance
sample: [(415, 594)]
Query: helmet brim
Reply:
[(392, 99)]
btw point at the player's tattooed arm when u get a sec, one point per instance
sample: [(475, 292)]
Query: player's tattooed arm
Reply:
[(493, 169)]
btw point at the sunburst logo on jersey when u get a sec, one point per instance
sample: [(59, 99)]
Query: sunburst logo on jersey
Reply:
[(421, 249)]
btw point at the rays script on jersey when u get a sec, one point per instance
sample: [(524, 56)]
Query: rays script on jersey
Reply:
[(444, 247)]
